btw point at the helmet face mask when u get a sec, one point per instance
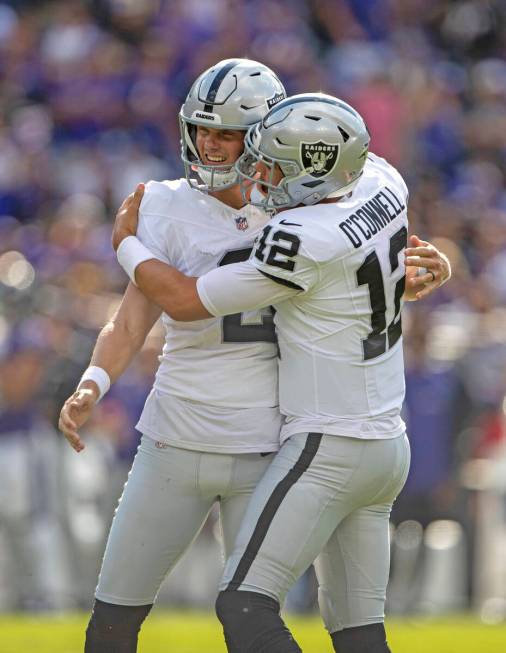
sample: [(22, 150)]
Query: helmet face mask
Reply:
[(274, 195), (207, 178), (320, 145), (234, 94)]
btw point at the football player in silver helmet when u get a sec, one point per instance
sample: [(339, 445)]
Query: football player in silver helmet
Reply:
[(229, 97), (312, 146), (220, 438)]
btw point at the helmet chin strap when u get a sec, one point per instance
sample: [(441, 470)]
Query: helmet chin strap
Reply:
[(216, 180)]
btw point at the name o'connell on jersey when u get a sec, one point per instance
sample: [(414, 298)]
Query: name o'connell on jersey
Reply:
[(374, 215), (340, 335)]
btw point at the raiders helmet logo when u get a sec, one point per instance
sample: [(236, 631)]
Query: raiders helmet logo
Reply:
[(275, 99), (319, 159)]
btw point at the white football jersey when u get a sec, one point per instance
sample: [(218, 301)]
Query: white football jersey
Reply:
[(215, 373), (341, 365)]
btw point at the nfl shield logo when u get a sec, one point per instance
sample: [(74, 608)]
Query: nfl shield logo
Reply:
[(241, 223), (319, 159)]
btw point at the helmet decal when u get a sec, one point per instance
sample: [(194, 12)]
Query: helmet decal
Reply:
[(212, 117), (320, 158), (277, 97)]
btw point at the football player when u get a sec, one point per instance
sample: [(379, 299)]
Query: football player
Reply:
[(332, 264), (212, 417)]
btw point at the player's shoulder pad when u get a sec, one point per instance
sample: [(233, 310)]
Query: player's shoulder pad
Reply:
[(155, 212), (159, 195), (315, 228), (161, 201), (391, 174)]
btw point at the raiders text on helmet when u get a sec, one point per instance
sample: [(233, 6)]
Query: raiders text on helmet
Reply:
[(319, 142), (234, 94)]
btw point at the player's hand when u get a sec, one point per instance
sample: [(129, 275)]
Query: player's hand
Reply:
[(434, 267), (75, 412), (127, 217)]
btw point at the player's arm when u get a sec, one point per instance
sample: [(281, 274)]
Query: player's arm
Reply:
[(161, 283), (227, 290), (427, 268), (117, 344), (236, 288), (171, 290)]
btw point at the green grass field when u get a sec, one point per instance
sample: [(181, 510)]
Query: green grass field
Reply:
[(169, 632)]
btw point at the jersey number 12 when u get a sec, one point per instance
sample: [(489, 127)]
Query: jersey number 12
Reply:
[(369, 273)]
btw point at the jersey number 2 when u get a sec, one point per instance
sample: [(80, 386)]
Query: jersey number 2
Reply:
[(233, 328), (369, 273)]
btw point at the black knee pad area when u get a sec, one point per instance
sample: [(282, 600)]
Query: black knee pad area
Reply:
[(114, 628), (252, 624), (361, 639)]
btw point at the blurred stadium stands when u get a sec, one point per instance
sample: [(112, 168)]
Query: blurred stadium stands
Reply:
[(89, 95)]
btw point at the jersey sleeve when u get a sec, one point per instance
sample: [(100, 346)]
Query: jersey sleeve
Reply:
[(154, 223), (288, 253), (238, 288)]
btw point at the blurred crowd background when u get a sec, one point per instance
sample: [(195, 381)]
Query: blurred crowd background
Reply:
[(89, 96)]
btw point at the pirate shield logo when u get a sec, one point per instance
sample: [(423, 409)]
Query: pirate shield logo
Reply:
[(319, 159)]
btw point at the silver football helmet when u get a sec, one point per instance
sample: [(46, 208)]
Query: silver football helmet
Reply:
[(233, 94), (319, 142)]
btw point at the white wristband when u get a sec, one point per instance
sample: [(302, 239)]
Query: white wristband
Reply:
[(100, 377), (131, 253)]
